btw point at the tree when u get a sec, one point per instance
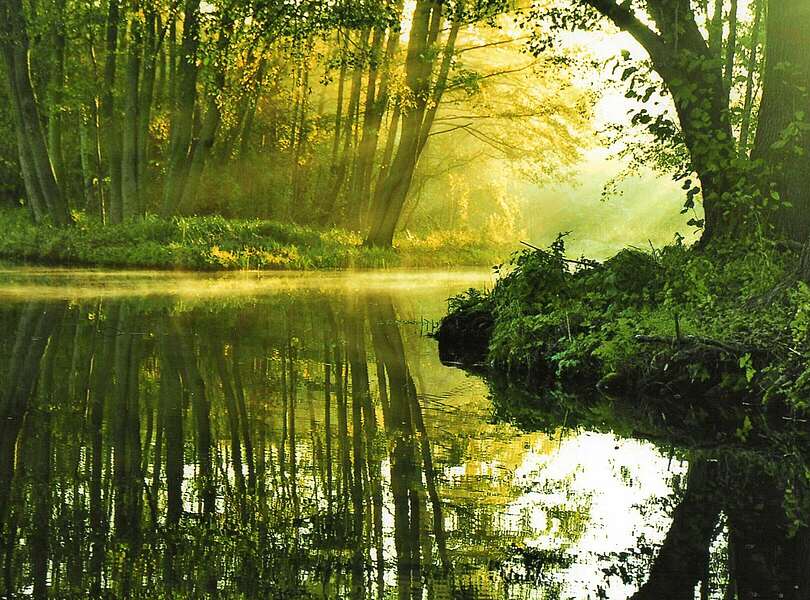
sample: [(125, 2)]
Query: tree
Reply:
[(426, 77), (697, 71), (43, 190), (183, 109), (692, 69), (783, 130)]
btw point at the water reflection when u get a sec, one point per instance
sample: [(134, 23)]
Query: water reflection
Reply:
[(738, 524), (260, 449), (308, 444)]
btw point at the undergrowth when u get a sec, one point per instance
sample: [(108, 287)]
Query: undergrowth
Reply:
[(215, 243), (733, 321)]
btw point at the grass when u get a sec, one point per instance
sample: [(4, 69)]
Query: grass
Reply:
[(219, 244)]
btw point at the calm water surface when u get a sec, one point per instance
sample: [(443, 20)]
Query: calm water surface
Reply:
[(295, 436)]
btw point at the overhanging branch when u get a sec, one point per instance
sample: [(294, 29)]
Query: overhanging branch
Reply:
[(624, 18)]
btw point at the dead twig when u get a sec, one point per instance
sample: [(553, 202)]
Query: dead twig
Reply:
[(568, 260), (729, 347)]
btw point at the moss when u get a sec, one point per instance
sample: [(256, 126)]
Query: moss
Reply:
[(216, 243)]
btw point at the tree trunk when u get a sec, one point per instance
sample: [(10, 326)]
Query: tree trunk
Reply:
[(440, 85), (182, 126), (390, 142), (731, 49), (716, 29), (56, 85), (210, 122), (110, 125), (783, 135), (393, 190), (130, 192), (15, 47), (340, 93), (89, 166), (374, 109), (152, 49), (94, 141), (754, 66)]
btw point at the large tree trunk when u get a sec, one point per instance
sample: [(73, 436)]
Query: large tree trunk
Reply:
[(185, 99), (211, 120), (692, 70), (782, 137), (390, 196), (41, 183)]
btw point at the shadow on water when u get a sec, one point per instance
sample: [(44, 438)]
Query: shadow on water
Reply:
[(310, 445)]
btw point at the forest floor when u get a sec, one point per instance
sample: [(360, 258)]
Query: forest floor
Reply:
[(701, 326), (219, 244)]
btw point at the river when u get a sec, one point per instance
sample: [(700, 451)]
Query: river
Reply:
[(295, 436)]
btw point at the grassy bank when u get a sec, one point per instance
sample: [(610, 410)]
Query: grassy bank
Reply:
[(669, 323), (215, 243)]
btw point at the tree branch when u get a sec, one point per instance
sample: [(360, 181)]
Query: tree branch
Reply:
[(449, 130), (496, 74), (491, 44), (624, 18)]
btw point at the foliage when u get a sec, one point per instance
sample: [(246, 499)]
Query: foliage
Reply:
[(291, 108), (731, 320)]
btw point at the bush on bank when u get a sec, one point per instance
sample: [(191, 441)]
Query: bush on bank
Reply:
[(667, 322), (214, 243)]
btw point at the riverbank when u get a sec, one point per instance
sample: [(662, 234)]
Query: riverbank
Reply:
[(218, 244), (666, 323)]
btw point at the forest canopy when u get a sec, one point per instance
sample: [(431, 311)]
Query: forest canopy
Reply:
[(343, 114)]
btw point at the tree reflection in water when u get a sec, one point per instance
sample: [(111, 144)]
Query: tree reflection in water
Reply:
[(283, 449)]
